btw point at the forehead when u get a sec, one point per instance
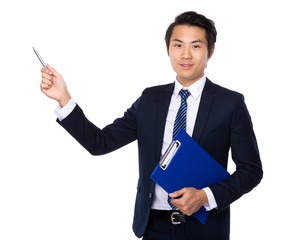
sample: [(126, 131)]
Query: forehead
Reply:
[(187, 33)]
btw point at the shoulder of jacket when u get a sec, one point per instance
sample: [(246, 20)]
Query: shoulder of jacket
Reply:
[(228, 93), (157, 89)]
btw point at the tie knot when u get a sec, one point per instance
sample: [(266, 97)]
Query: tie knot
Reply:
[(184, 94)]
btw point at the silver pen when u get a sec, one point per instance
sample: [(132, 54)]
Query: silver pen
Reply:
[(39, 57)]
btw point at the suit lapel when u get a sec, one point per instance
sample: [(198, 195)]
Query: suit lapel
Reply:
[(206, 103), (164, 99)]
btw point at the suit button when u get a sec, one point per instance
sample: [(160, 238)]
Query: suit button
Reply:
[(150, 195)]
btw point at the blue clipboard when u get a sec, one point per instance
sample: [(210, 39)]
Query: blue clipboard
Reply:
[(186, 164)]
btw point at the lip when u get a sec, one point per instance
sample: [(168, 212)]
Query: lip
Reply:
[(186, 66)]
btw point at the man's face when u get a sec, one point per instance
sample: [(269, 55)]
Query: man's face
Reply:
[(188, 53)]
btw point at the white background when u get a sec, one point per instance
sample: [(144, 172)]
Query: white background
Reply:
[(50, 187)]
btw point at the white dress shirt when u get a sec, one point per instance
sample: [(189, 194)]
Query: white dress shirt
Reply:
[(160, 195)]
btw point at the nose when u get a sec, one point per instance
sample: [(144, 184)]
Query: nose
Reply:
[(186, 54)]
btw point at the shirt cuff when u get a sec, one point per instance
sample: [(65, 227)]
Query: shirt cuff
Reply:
[(211, 199), (62, 113)]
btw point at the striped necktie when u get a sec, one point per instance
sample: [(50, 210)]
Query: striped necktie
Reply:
[(180, 122)]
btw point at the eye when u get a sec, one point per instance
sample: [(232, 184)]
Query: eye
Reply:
[(196, 46), (178, 45)]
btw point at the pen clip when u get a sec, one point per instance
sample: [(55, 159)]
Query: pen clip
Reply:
[(169, 154)]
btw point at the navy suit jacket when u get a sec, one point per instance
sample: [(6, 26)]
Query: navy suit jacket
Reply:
[(222, 123)]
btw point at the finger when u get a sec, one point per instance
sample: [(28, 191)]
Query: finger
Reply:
[(54, 72), (174, 202), (177, 193), (45, 70), (47, 76), (181, 205), (46, 81), (178, 201), (44, 87)]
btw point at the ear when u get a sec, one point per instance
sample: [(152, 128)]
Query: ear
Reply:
[(212, 51)]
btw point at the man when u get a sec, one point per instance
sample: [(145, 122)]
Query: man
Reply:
[(215, 117)]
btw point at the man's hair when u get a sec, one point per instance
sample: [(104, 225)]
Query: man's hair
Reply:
[(194, 19)]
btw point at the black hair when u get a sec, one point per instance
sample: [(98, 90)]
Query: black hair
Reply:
[(194, 19)]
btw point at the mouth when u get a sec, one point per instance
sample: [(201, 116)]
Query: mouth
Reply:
[(186, 66)]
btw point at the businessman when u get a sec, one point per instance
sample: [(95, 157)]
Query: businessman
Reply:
[(215, 117)]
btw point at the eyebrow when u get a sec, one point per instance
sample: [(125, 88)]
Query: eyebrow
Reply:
[(196, 41)]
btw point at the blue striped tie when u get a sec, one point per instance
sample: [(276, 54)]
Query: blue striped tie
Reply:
[(180, 122)]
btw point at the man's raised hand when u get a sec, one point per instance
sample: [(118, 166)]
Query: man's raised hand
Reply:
[(54, 86)]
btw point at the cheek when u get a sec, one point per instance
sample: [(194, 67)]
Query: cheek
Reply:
[(173, 63), (202, 63)]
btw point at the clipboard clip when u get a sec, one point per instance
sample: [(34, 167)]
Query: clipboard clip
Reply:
[(169, 154)]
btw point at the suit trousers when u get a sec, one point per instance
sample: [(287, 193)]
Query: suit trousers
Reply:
[(165, 230), (191, 229)]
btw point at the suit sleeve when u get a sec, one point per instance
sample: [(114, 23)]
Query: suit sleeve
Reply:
[(246, 156), (101, 141)]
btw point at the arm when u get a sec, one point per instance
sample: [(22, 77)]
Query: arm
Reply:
[(246, 156), (96, 141), (248, 166), (101, 141)]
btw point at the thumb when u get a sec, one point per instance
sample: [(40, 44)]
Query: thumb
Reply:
[(54, 72), (177, 193)]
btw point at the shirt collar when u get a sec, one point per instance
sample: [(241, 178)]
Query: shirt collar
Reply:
[(195, 89)]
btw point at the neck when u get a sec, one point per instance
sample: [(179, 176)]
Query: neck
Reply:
[(188, 82)]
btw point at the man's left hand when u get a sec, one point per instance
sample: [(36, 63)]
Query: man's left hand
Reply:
[(190, 201)]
